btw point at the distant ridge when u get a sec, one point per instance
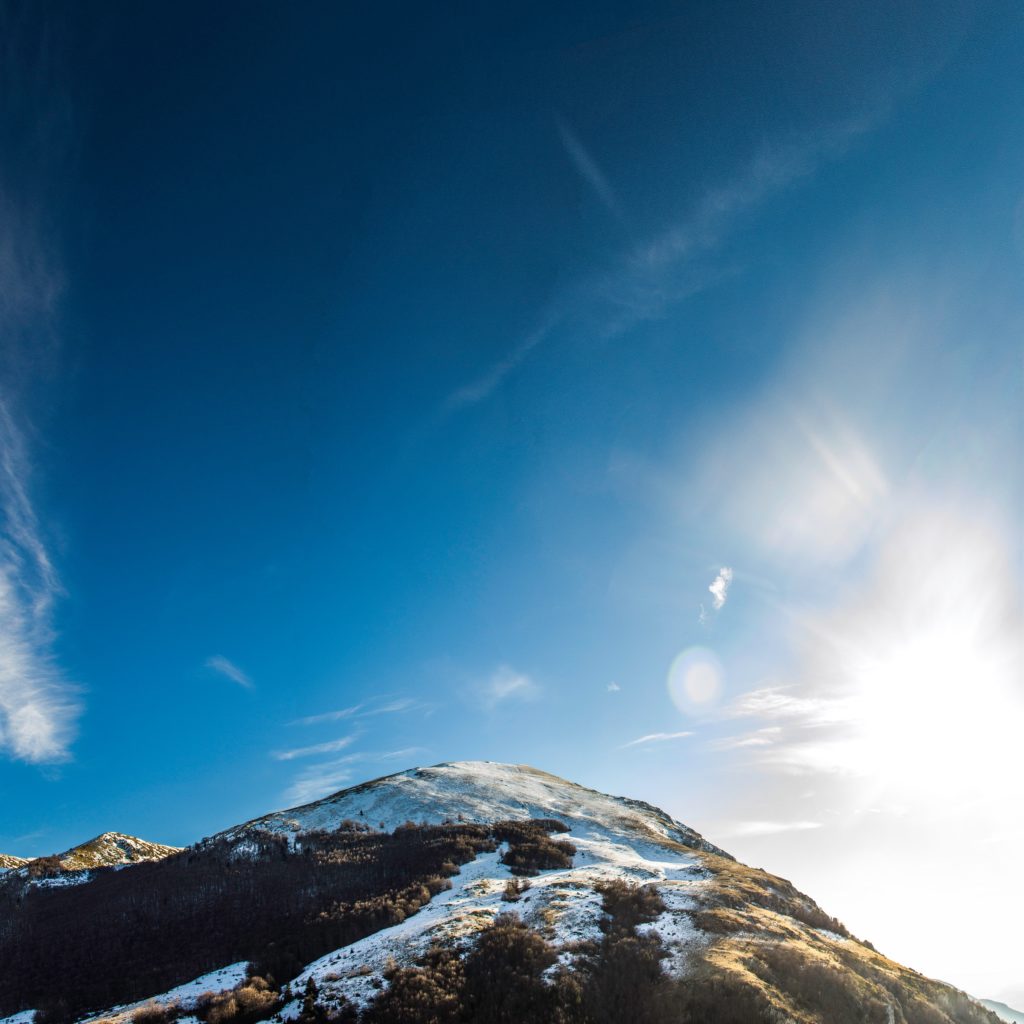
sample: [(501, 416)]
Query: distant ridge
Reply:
[(1005, 1012), (111, 849)]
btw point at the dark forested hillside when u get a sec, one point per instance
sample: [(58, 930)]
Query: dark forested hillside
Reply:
[(126, 934)]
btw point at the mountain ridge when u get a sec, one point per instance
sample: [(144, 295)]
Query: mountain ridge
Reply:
[(108, 849), (434, 863)]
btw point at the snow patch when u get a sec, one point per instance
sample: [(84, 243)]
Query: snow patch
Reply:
[(186, 996)]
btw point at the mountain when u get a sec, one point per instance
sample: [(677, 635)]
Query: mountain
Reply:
[(1004, 1012), (111, 849), (476, 791), (464, 891)]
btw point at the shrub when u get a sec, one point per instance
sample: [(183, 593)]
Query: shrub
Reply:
[(530, 849), (156, 1013), (514, 889), (253, 1000)]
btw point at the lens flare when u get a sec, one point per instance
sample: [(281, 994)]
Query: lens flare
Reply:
[(695, 679)]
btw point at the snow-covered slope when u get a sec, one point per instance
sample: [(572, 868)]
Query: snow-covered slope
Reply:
[(480, 791), (72, 867), (111, 849), (720, 920)]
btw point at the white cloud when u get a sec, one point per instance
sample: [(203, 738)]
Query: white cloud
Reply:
[(218, 663), (330, 747), (657, 737), (38, 706), (613, 688), (505, 684), (720, 587)]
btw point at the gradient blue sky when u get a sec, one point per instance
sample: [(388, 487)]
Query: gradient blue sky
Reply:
[(388, 384)]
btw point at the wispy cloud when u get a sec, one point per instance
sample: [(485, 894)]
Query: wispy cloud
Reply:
[(368, 709), (326, 777), (395, 707), (329, 716), (505, 684), (779, 164), (720, 588), (657, 737), (677, 263), (218, 663), (613, 688), (589, 170), (320, 780), (329, 747), (38, 705)]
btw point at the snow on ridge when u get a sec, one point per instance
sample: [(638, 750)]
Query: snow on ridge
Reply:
[(478, 791), (113, 848)]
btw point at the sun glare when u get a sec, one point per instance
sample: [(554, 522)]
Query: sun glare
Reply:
[(931, 681)]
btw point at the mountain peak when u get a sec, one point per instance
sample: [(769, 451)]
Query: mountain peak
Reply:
[(483, 792), (111, 849)]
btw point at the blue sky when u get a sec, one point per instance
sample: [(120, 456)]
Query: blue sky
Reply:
[(630, 390)]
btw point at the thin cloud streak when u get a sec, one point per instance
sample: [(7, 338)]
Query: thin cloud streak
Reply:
[(329, 747), (328, 716), (589, 170), (219, 664), (656, 737), (486, 384), (367, 709)]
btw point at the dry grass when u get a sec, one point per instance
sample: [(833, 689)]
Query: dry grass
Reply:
[(770, 938)]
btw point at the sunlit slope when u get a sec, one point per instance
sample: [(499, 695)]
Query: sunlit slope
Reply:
[(724, 923), (110, 849), (336, 902), (479, 791)]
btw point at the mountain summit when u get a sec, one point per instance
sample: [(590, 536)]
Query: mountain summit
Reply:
[(479, 791), (110, 849), (466, 891)]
